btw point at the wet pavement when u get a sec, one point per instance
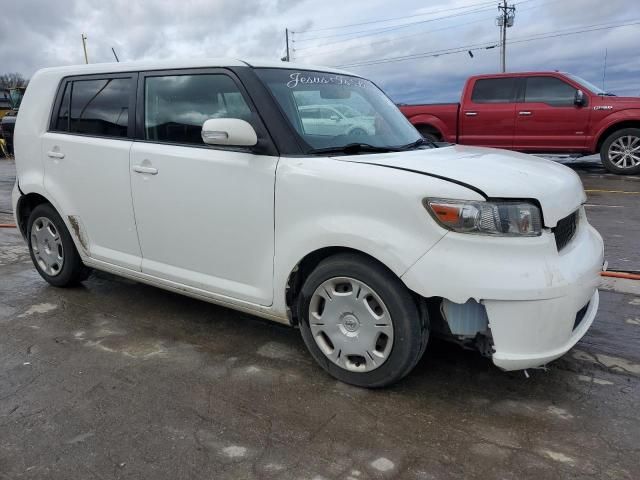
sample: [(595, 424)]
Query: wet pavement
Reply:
[(116, 379)]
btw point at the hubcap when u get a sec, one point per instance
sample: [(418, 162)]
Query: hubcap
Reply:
[(46, 245), (351, 324), (624, 152)]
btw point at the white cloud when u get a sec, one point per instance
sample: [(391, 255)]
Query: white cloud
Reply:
[(39, 33)]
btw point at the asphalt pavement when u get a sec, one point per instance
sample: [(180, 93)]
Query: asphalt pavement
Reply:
[(115, 379)]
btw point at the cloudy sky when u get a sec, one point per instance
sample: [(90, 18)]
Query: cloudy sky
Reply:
[(40, 33)]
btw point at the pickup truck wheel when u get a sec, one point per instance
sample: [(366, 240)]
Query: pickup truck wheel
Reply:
[(360, 322), (52, 250), (428, 134), (620, 152)]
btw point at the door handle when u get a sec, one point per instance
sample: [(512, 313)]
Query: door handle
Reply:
[(525, 113), (471, 114), (53, 154), (142, 169)]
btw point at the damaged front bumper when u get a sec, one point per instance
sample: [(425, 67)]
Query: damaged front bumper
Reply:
[(539, 302)]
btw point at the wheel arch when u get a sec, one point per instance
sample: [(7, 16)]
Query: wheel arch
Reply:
[(429, 128), (26, 204), (307, 264), (602, 137), (431, 123)]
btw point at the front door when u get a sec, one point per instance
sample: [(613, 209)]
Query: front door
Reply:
[(487, 115), (548, 119), (86, 165), (205, 215)]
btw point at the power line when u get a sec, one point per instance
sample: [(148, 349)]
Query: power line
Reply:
[(431, 12), (402, 37), (540, 36), (395, 27), (483, 19)]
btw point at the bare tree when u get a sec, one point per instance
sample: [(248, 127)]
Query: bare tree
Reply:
[(13, 79)]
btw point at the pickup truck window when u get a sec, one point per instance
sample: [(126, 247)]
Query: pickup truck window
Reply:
[(494, 90), (176, 106), (549, 90), (329, 110)]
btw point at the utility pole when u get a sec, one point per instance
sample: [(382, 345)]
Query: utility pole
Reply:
[(114, 54), (84, 46), (505, 20), (286, 58)]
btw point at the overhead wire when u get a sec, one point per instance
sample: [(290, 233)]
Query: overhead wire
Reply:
[(541, 36), (393, 18)]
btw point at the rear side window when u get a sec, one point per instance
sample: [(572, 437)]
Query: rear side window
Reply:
[(98, 107), (494, 90), (62, 121), (549, 90), (176, 106)]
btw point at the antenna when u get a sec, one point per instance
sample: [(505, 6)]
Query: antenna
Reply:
[(604, 70)]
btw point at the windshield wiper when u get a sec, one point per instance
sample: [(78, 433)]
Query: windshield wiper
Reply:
[(354, 148), (418, 143)]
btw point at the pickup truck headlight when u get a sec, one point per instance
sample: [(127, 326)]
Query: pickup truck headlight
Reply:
[(501, 218)]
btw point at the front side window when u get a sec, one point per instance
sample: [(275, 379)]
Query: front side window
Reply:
[(494, 90), (176, 106), (549, 90), (329, 110), (97, 107)]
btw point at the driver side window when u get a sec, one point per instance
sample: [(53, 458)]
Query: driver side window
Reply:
[(549, 90), (176, 106)]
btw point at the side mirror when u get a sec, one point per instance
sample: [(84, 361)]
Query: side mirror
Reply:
[(228, 131), (579, 99)]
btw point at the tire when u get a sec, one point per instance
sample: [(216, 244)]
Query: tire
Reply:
[(429, 135), (357, 132), (620, 152), (52, 252), (355, 280)]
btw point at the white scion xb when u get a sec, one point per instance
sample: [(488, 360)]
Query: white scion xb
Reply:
[(201, 177)]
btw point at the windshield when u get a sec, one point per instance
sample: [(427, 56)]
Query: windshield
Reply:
[(329, 110), (588, 85)]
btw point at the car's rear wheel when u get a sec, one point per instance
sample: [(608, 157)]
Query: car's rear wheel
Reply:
[(52, 250), (360, 322), (620, 152)]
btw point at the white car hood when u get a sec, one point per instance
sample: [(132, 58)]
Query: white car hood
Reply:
[(496, 173)]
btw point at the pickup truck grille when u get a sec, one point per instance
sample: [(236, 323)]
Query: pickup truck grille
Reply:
[(566, 229)]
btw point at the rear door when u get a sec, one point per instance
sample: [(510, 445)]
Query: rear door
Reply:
[(487, 116), (205, 214), (86, 164), (547, 117)]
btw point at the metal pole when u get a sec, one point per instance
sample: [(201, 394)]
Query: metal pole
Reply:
[(114, 54), (503, 40), (286, 36), (84, 46), (604, 70)]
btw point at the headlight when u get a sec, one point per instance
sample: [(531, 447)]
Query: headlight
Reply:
[(503, 218)]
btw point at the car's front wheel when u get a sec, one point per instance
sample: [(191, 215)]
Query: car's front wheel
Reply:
[(360, 322), (52, 250), (620, 152)]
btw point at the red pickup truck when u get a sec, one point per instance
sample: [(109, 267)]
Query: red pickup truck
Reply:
[(543, 112)]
